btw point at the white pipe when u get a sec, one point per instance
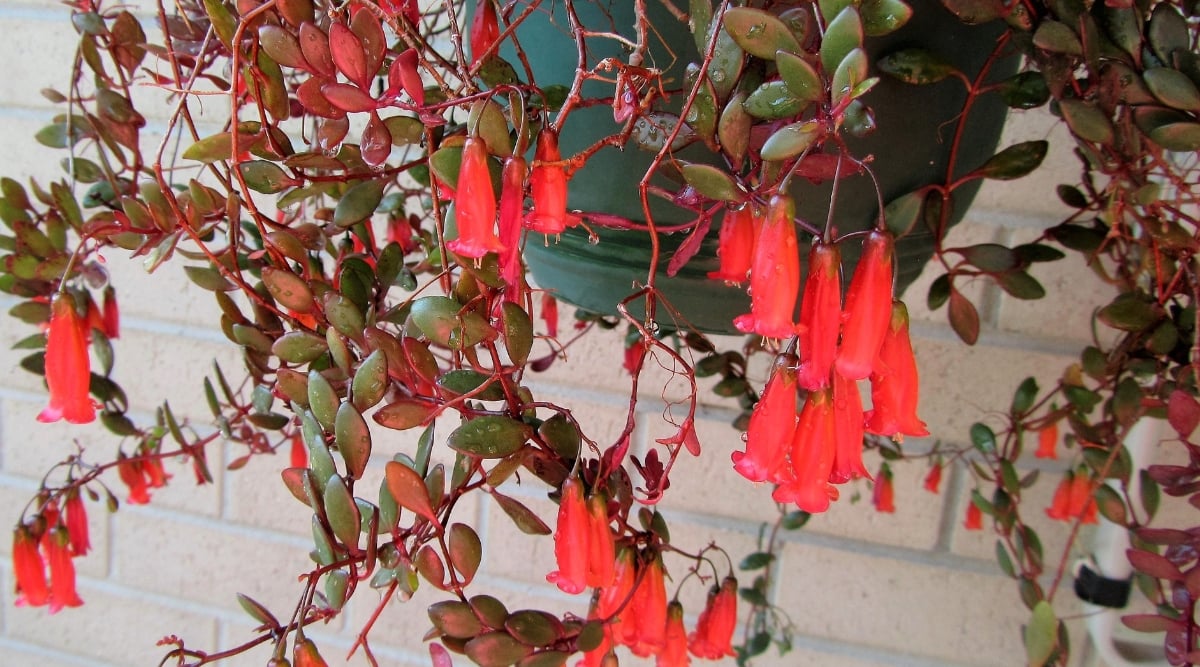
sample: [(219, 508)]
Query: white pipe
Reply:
[(1110, 561)]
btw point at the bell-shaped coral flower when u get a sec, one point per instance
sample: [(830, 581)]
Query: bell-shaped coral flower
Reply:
[(133, 474), (713, 638), (868, 307), (614, 602), (820, 316), (884, 495), (512, 204), (1048, 442), (485, 29), (29, 569), (602, 551), (933, 478), (77, 524), (848, 429), (68, 369), (812, 455), (1080, 504), (974, 520), (548, 185), (571, 539), (894, 383), (674, 652), (305, 654), (774, 274), (735, 245), (62, 570), (475, 204), (112, 314), (647, 636), (772, 424)]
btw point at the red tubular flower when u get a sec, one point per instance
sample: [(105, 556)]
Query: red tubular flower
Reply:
[(884, 495), (548, 185), (29, 570), (77, 524), (813, 451), (299, 453), (571, 540), (820, 316), (62, 571), (868, 307), (1048, 442), (613, 596), (112, 314), (713, 638), (772, 425), (305, 654), (848, 429), (774, 275), (894, 383), (512, 203), (1060, 505), (156, 476), (475, 204), (1080, 504), (735, 245), (647, 636), (674, 652), (602, 551), (68, 369), (974, 520), (485, 30), (933, 480), (133, 475)]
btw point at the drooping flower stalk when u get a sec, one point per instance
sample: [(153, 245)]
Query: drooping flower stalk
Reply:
[(868, 307), (820, 316), (772, 425), (713, 638), (812, 455), (848, 429), (68, 369), (548, 185), (475, 204), (735, 244), (894, 384), (774, 274)]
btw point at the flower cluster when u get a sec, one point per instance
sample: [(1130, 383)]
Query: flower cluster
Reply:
[(49, 543), (807, 453), (1073, 498)]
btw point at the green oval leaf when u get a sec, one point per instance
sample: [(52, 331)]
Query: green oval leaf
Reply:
[(466, 551), (489, 437), (1015, 161), (915, 65), (772, 101), (298, 347), (265, 177), (791, 140), (289, 289), (359, 202), (353, 439), (843, 34), (711, 182), (759, 33), (341, 511)]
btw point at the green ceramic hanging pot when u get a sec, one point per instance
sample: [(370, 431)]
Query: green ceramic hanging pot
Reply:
[(910, 148)]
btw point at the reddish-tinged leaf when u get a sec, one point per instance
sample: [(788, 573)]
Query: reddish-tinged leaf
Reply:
[(1152, 623), (347, 52), (409, 490), (370, 33), (963, 317), (311, 98), (1183, 413), (522, 516), (689, 247), (403, 75), (439, 656), (314, 44), (376, 141), (1154, 565), (348, 98)]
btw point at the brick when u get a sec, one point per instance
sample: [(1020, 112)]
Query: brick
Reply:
[(171, 365), (45, 38), (113, 626), (23, 653), (165, 296), (874, 601), (257, 496), (204, 562)]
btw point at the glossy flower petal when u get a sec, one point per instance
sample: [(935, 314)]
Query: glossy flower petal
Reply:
[(974, 520), (894, 383), (1060, 505), (485, 29), (774, 274), (820, 316), (77, 524), (571, 540), (772, 425), (812, 454), (735, 245), (475, 204), (29, 570), (62, 570), (68, 369), (868, 307), (548, 185), (512, 204), (1048, 442), (674, 652), (602, 551), (133, 475), (933, 479), (713, 638), (848, 429), (647, 636)]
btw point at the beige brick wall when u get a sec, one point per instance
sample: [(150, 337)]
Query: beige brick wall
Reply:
[(863, 589)]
